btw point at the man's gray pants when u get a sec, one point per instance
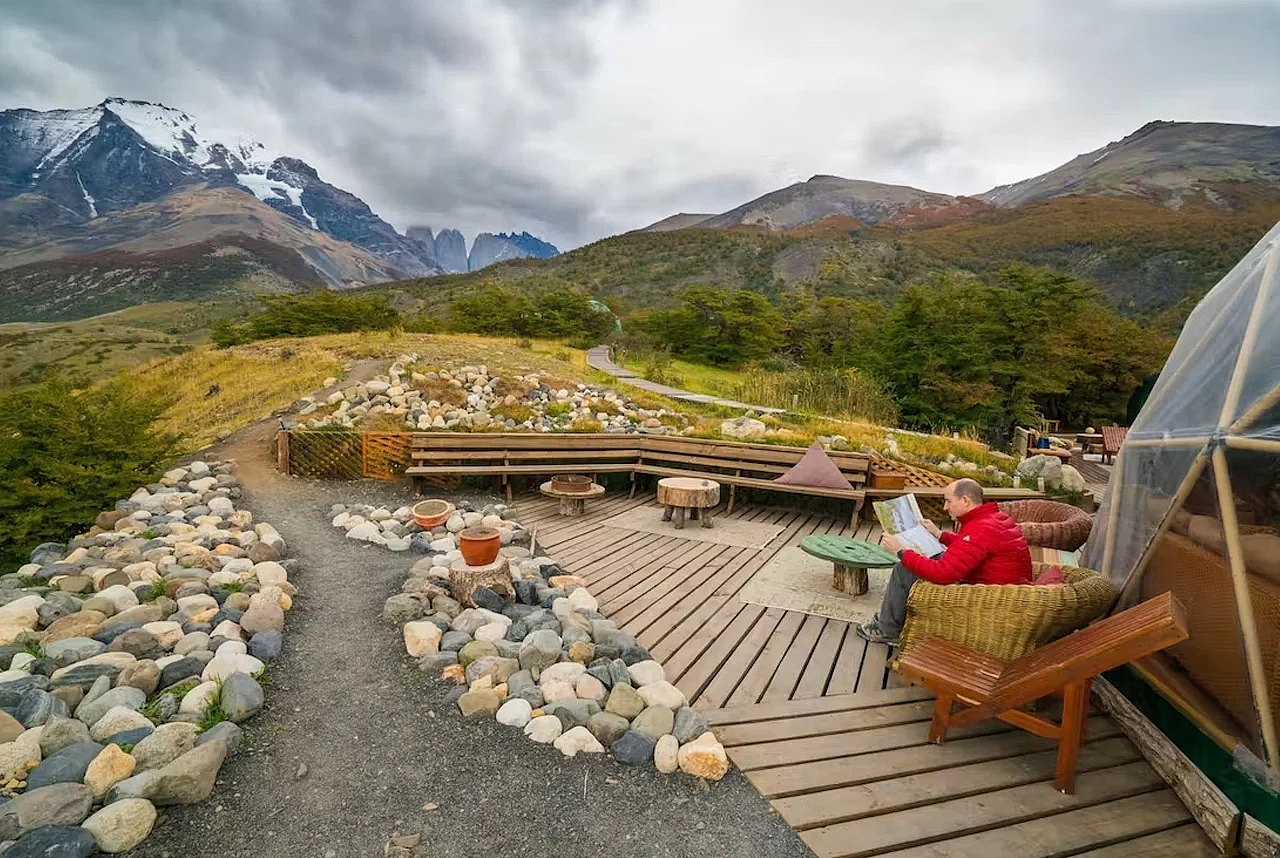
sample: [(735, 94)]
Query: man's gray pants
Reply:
[(893, 608)]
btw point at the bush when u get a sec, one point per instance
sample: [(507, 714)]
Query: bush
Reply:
[(308, 316), (65, 455)]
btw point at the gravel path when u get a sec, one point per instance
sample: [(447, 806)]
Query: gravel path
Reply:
[(356, 741)]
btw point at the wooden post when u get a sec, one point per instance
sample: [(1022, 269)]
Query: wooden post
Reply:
[(1075, 709), (1244, 606), (282, 451), (941, 718)]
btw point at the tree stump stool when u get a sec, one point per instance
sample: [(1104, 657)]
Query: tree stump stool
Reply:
[(572, 503), (688, 495), (464, 579), (850, 558)]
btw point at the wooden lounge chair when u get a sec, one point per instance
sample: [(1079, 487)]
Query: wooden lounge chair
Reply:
[(1112, 439), (986, 687)]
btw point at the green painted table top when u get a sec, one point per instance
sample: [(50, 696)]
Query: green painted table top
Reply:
[(848, 552)]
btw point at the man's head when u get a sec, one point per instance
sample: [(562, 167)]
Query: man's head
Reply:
[(960, 497)]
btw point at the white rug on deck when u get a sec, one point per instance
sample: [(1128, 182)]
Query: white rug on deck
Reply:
[(796, 581), (723, 531)]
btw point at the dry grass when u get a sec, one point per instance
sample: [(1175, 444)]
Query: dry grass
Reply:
[(254, 381), (441, 391)]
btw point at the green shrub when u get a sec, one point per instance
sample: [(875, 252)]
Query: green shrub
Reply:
[(67, 454), (308, 316)]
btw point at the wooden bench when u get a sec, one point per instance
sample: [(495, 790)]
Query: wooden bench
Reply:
[(1112, 439), (984, 687)]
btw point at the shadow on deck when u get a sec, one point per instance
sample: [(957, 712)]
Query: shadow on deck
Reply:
[(836, 743)]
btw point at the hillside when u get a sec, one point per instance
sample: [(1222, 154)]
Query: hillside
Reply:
[(823, 196)]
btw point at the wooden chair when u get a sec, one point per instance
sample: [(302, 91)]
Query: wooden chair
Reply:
[(1112, 439), (986, 687)]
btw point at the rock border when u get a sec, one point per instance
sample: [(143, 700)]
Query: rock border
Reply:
[(131, 655)]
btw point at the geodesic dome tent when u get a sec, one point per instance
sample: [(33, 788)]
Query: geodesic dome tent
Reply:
[(1193, 507)]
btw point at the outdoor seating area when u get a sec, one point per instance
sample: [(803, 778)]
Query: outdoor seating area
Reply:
[(818, 719)]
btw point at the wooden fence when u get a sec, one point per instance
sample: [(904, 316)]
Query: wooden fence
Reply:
[(348, 454)]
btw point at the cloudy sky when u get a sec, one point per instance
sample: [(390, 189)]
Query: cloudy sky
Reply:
[(576, 119)]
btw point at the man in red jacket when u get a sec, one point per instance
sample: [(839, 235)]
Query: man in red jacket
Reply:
[(988, 549)]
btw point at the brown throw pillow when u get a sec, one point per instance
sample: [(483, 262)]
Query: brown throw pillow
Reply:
[(815, 468)]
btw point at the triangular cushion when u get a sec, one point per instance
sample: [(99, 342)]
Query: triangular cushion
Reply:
[(815, 468)]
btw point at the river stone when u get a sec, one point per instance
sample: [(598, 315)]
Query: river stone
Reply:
[(127, 696), (654, 722), (179, 670), (187, 780), (572, 713), (68, 651), (242, 697), (121, 826), (165, 744), (704, 757), (402, 608), (625, 701), (111, 766), (65, 766), (515, 712), (61, 732), (634, 749), (544, 729), (666, 754), (59, 841), (191, 642), (483, 702), (36, 706), (228, 734), (266, 645), (56, 805), (607, 727), (11, 728), (663, 694), (476, 650), (117, 720), (689, 725)]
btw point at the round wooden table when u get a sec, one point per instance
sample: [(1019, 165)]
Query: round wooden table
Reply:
[(572, 503), (691, 495), (851, 559)]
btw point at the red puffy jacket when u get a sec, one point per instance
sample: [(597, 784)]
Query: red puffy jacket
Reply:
[(988, 549)]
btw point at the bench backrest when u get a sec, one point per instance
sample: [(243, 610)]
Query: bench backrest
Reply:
[(694, 454), (1129, 635)]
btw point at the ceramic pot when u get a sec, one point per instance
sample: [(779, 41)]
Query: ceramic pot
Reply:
[(432, 513), (571, 483), (479, 545)]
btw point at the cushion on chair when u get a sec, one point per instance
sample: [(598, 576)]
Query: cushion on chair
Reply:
[(1051, 575), (815, 468)]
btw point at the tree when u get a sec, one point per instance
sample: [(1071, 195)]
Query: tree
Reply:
[(66, 454), (717, 326)]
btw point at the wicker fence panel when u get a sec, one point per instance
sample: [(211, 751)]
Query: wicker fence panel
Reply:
[(386, 454), (326, 454)]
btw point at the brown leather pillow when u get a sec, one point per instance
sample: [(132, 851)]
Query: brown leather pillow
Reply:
[(815, 468)]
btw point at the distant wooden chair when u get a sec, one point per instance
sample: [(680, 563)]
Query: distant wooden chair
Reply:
[(1112, 439), (985, 687)]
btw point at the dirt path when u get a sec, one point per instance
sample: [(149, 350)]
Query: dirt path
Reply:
[(378, 745)]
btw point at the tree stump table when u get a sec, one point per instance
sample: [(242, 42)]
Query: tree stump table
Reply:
[(572, 503), (851, 559), (688, 495)]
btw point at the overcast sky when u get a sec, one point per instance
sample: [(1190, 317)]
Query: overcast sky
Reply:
[(577, 119)]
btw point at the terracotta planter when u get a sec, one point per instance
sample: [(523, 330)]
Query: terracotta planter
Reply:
[(432, 513), (571, 483), (479, 545), (888, 479)]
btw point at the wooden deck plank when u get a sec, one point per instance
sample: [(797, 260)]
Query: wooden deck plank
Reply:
[(787, 676), (679, 560), (692, 673), (831, 703), (758, 677), (902, 793), (945, 820), (662, 597), (858, 768), (1066, 833), (844, 676), (790, 752), (871, 676), (813, 682), (1183, 841), (820, 725), (740, 660)]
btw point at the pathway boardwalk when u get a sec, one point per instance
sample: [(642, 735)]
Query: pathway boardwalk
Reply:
[(598, 358), (836, 743)]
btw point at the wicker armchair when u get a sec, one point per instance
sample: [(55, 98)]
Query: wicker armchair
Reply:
[(1006, 621), (1050, 524)]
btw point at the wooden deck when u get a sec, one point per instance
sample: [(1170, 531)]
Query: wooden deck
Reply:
[(836, 743)]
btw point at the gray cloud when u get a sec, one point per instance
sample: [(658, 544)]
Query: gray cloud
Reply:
[(579, 118)]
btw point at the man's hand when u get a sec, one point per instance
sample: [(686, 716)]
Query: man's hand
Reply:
[(891, 543), (932, 528)]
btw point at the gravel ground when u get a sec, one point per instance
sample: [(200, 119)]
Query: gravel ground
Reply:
[(356, 744)]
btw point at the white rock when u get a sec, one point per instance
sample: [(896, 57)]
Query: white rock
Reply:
[(229, 630), (223, 666), (398, 543), (544, 730), (558, 689), (590, 688), (666, 753), (565, 671), (191, 605), (167, 633), (443, 545), (455, 523), (116, 720), (515, 712), (121, 597), (366, 532), (122, 825), (198, 468), (662, 693), (491, 632), (221, 506), (578, 740), (581, 600), (21, 662), (422, 637), (270, 574), (23, 611), (341, 519), (197, 700), (231, 648), (644, 673)]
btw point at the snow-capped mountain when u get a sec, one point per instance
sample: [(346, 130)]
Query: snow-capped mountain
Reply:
[(73, 175)]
